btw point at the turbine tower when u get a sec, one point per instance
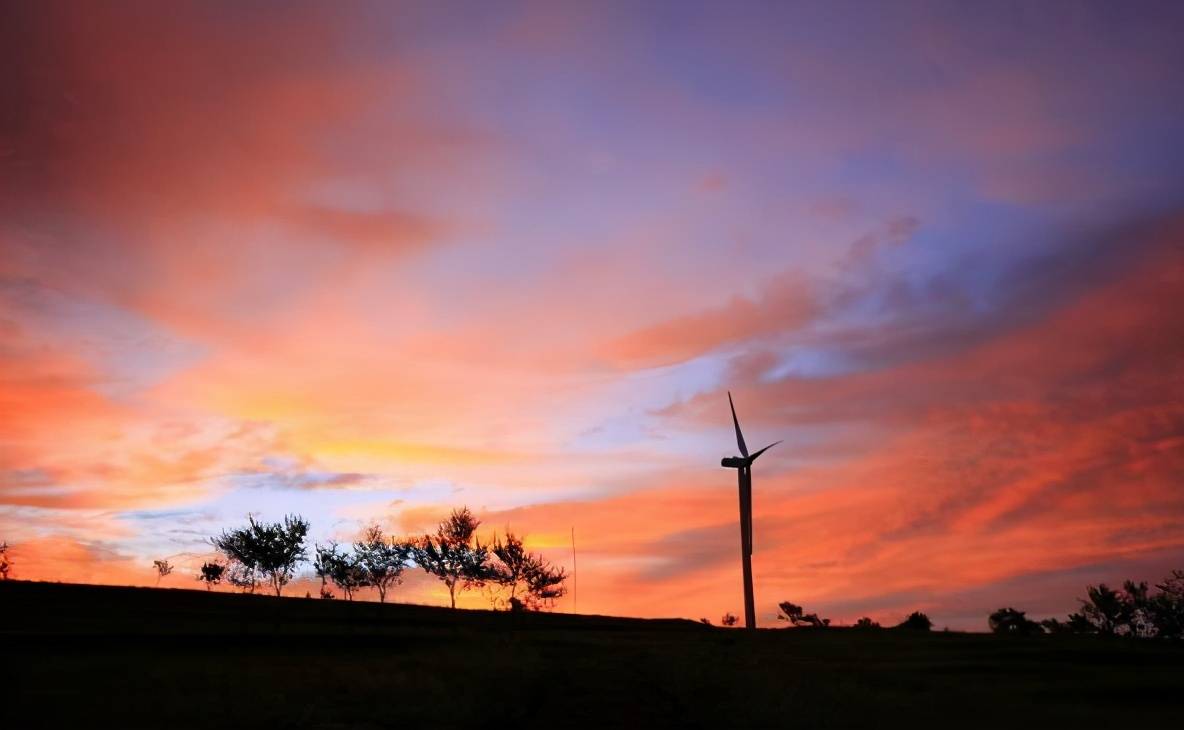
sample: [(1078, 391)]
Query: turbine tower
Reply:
[(743, 466)]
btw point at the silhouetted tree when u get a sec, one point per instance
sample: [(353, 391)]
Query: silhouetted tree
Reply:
[(343, 569), (272, 550), (1139, 612), (544, 583), (794, 614), (1012, 622), (1166, 609), (322, 559), (866, 623), (705, 621), (728, 619), (1075, 624), (516, 569), (381, 560), (211, 574), (513, 563), (454, 555), (916, 621), (5, 561), (1106, 609), (241, 576), (163, 568)]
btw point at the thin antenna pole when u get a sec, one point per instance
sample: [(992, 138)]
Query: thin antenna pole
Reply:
[(575, 575)]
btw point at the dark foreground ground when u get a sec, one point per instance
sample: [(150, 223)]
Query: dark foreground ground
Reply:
[(84, 656)]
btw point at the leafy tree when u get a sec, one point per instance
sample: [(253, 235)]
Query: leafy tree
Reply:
[(1106, 609), (5, 561), (163, 568), (211, 574), (1166, 609), (322, 563), (381, 560), (544, 583), (866, 623), (516, 569), (342, 568), (513, 563), (1012, 622), (1139, 613), (1076, 624), (916, 621), (271, 550), (729, 619), (794, 614), (454, 555), (243, 577)]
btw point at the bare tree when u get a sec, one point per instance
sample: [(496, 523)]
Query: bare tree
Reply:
[(163, 568), (211, 574), (5, 561), (381, 559), (454, 555), (271, 550)]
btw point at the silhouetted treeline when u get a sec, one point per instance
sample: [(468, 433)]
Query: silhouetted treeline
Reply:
[(797, 616), (269, 553), (1133, 610)]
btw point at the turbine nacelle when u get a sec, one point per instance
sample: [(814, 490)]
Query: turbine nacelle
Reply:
[(740, 462)]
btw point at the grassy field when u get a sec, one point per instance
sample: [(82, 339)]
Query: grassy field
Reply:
[(87, 656)]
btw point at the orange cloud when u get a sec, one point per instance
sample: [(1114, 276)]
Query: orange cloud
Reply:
[(785, 303)]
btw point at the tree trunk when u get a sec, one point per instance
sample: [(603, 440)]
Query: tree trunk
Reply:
[(452, 593)]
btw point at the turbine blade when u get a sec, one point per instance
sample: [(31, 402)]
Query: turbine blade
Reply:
[(736, 423), (753, 457)]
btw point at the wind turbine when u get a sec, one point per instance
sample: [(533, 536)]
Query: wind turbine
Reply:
[(743, 466)]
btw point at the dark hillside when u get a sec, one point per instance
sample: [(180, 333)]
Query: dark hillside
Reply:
[(126, 657)]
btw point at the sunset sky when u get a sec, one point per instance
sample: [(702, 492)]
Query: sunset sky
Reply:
[(369, 261)]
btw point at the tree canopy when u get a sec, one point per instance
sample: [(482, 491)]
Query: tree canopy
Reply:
[(211, 573), (381, 560), (454, 554), (271, 550), (795, 614), (1012, 622), (916, 621), (341, 568), (516, 570)]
